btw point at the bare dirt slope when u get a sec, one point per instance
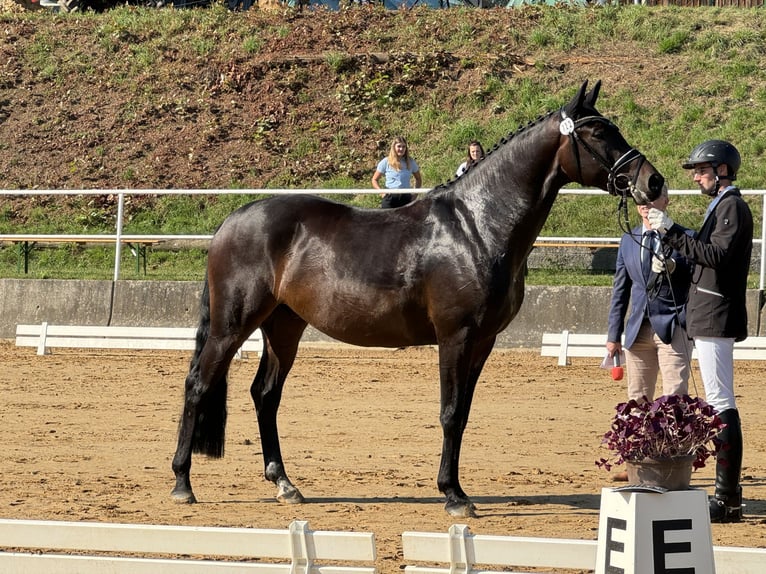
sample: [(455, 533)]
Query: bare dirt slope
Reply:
[(93, 103), (90, 436)]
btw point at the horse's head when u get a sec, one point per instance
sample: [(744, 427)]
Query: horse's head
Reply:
[(593, 152)]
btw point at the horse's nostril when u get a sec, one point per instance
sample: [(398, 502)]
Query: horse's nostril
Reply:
[(656, 183)]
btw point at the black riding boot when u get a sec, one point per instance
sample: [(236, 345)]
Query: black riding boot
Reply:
[(726, 506)]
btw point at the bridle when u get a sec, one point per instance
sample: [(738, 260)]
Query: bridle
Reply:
[(618, 183)]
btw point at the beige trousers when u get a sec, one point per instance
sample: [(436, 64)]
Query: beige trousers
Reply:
[(649, 356)]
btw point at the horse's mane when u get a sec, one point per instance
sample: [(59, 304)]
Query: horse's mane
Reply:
[(505, 140)]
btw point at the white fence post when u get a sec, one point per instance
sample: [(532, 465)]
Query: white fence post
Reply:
[(459, 560), (118, 243), (42, 347), (301, 562), (763, 244)]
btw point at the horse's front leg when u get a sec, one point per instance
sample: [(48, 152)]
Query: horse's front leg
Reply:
[(460, 365)]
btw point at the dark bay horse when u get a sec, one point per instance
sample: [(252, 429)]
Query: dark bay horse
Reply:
[(447, 269)]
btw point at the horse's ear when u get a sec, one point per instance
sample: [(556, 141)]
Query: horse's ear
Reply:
[(576, 103), (590, 99)]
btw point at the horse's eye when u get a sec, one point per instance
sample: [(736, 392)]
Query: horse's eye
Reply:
[(599, 133), (604, 131)]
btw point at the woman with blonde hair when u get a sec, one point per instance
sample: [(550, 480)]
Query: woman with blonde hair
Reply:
[(398, 168)]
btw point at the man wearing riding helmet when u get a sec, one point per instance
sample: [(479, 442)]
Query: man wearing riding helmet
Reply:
[(716, 315)]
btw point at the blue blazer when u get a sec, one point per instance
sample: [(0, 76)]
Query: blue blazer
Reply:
[(634, 297)]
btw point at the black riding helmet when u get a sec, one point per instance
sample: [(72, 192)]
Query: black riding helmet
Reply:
[(715, 152)]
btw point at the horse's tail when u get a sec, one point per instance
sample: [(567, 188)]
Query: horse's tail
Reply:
[(203, 328), (210, 424)]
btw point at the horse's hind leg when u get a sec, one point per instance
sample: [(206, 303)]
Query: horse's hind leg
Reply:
[(203, 421), (281, 334)]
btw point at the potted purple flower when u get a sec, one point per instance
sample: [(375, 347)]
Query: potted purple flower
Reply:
[(660, 442)]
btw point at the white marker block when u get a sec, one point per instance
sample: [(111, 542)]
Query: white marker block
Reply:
[(654, 533)]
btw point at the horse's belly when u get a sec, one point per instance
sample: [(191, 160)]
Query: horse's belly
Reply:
[(370, 321), (379, 339), (364, 331)]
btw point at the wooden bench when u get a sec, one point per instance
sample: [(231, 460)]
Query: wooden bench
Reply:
[(566, 344), (459, 550), (45, 337), (78, 548)]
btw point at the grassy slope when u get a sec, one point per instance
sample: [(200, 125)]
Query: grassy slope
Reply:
[(160, 98)]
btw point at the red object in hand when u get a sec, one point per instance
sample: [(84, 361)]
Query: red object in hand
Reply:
[(617, 370)]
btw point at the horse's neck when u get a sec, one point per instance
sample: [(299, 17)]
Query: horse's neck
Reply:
[(512, 195)]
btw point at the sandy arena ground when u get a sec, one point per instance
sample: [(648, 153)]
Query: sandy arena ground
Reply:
[(89, 435)]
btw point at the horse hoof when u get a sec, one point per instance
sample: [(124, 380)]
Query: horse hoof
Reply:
[(183, 497), (290, 495), (461, 509)]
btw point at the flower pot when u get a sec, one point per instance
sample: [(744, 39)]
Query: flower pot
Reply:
[(669, 473)]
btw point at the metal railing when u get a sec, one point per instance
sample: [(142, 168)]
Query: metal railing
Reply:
[(120, 239)]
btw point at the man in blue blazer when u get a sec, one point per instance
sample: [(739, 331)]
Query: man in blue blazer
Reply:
[(650, 289)]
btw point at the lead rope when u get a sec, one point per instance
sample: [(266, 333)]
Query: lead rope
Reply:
[(687, 351), (623, 221)]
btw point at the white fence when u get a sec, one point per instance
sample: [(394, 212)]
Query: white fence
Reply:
[(119, 239), (46, 337), (459, 550), (566, 344), (296, 550), (57, 547)]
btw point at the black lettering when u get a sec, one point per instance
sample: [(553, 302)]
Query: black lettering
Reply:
[(613, 545), (660, 548)]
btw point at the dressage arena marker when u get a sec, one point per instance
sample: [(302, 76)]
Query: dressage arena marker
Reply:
[(45, 337), (654, 532), (298, 547)]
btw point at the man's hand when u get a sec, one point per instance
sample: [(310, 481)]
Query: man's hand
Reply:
[(659, 220), (659, 263)]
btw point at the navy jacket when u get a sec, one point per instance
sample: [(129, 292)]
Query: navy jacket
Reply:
[(721, 253), (664, 304)]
